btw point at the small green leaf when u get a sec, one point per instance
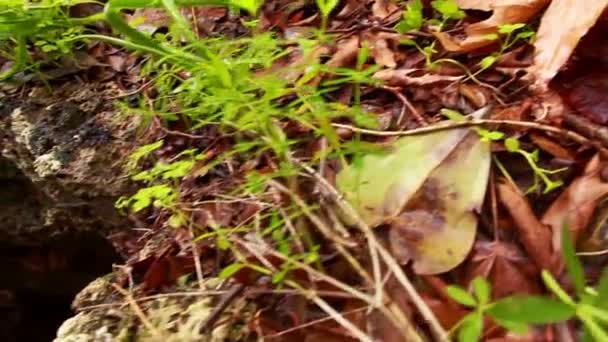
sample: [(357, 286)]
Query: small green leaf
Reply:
[(487, 62), (448, 9), (326, 6), (471, 328), (222, 243), (490, 36), (230, 270), (490, 135), (176, 220), (510, 28), (525, 35), (554, 286), (412, 17), (516, 327), (573, 264), (280, 276), (530, 310), (144, 150), (512, 145), (482, 290), (363, 54), (602, 291), (452, 115), (408, 42), (460, 295)]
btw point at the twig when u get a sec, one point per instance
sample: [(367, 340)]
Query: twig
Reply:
[(197, 260), (225, 301), (405, 104), (311, 323), (407, 330), (133, 92), (587, 128), (438, 331), (469, 123), (140, 314)]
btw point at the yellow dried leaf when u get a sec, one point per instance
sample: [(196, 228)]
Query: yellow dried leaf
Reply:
[(428, 188)]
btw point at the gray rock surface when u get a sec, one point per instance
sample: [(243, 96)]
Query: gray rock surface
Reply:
[(61, 158)]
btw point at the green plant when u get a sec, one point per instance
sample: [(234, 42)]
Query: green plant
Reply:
[(45, 24), (512, 145), (326, 7), (507, 39), (413, 19), (516, 313)]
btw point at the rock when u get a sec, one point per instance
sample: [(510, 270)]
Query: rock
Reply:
[(174, 317), (64, 152), (61, 170)]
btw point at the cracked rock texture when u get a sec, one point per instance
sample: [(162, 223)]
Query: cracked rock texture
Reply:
[(61, 160)]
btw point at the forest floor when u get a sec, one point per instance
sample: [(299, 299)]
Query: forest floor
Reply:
[(358, 170)]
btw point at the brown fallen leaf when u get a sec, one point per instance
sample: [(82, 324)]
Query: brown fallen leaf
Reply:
[(533, 234), (595, 239), (381, 52), (575, 206), (552, 147), (562, 26), (345, 54), (476, 94), (505, 265), (504, 12), (401, 77), (384, 9)]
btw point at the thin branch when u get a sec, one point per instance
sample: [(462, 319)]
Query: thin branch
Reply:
[(438, 331), (469, 123), (140, 314)]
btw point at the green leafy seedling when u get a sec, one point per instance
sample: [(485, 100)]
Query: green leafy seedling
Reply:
[(413, 18), (326, 7), (514, 313), (507, 39), (512, 145), (591, 308), (448, 9)]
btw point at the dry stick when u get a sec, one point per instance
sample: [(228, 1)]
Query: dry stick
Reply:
[(438, 331), (338, 317), (197, 260), (311, 323), (405, 104), (140, 314), (399, 321), (377, 276), (325, 230), (477, 122), (225, 301)]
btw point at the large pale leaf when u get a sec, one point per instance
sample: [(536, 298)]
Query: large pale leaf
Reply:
[(428, 189), (381, 184)]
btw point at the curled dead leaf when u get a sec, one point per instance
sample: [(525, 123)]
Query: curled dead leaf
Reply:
[(533, 234), (564, 23), (575, 206)]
